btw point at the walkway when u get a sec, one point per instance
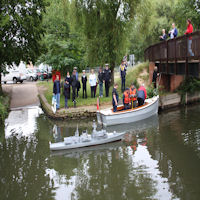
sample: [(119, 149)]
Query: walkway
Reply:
[(22, 95)]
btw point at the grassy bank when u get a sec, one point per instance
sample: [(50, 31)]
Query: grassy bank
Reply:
[(132, 76), (4, 106), (80, 101)]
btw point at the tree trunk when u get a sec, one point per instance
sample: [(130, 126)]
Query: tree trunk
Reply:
[(1, 91), (112, 68)]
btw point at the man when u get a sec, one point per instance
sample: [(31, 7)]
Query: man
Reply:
[(107, 78), (115, 97), (126, 99), (123, 75), (74, 85), (56, 91), (163, 37), (66, 92), (155, 75), (133, 96), (84, 83), (100, 80), (188, 31), (78, 82), (174, 32), (141, 95)]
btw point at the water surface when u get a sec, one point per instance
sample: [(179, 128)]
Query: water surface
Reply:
[(158, 159)]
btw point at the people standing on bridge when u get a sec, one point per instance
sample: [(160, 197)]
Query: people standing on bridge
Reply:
[(163, 37), (66, 92), (100, 81), (56, 91), (188, 31), (123, 75), (68, 79), (141, 95), (93, 82), (155, 76), (174, 32), (107, 78), (115, 97), (74, 85), (84, 84)]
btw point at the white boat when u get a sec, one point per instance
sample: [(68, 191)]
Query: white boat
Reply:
[(86, 140), (108, 117)]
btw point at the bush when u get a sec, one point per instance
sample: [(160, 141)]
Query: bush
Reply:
[(4, 106), (189, 85)]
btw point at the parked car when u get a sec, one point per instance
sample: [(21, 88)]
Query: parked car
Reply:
[(31, 75), (13, 75)]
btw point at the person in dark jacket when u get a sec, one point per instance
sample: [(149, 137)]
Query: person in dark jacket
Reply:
[(123, 75), (74, 85), (100, 81), (68, 79), (56, 91), (66, 92), (155, 75), (84, 83), (163, 37), (107, 78), (115, 97)]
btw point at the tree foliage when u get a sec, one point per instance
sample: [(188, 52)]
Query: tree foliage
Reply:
[(20, 31), (106, 27), (63, 45)]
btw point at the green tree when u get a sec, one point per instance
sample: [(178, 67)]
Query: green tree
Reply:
[(63, 46), (20, 31), (106, 28)]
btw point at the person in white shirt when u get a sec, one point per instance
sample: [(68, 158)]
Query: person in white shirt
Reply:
[(92, 82)]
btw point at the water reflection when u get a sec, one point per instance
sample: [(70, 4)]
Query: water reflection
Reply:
[(158, 159)]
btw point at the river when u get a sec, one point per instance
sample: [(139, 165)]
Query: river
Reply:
[(158, 159)]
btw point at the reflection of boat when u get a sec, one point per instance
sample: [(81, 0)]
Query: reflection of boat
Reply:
[(108, 117), (86, 140), (151, 122)]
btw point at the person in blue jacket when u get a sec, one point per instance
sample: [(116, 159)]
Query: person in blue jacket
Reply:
[(174, 32)]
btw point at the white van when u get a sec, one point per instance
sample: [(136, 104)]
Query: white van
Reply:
[(14, 75)]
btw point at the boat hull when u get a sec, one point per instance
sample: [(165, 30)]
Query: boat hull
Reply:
[(94, 142), (107, 118)]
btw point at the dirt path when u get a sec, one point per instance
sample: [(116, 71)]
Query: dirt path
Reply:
[(22, 95)]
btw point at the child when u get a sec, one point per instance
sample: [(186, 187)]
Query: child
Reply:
[(115, 97), (93, 82), (66, 92), (126, 99), (133, 96), (84, 82)]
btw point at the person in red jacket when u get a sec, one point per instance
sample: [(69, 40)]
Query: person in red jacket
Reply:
[(188, 31)]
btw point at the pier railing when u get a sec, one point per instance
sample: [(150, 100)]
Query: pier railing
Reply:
[(175, 49)]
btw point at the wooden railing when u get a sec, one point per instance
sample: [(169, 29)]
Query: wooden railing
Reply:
[(175, 50)]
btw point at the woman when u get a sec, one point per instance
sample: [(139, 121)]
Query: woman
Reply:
[(68, 79), (188, 31), (92, 82)]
